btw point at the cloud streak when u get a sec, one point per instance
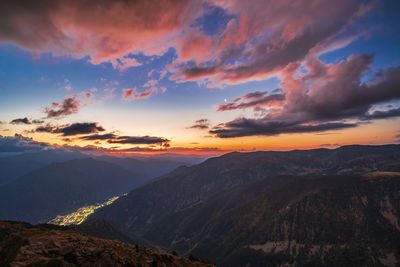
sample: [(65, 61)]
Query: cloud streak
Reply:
[(136, 140), (71, 129), (249, 127), (251, 100), (19, 143), (21, 121), (201, 124), (131, 93), (25, 121)]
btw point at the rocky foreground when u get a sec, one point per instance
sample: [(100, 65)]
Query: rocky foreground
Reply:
[(23, 244)]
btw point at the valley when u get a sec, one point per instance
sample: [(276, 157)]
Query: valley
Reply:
[(308, 207), (200, 133), (272, 208), (80, 215)]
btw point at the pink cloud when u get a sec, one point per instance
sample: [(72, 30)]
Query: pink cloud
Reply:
[(260, 41), (69, 106), (131, 93), (125, 62), (154, 82), (146, 93), (110, 93), (128, 93), (104, 30), (88, 95), (72, 104), (263, 39), (195, 45)]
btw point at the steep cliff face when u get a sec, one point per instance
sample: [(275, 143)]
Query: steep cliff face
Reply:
[(23, 244)]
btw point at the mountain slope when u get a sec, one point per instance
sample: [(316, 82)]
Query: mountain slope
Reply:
[(186, 187), (62, 187), (350, 220), (15, 166), (23, 244), (149, 168), (103, 229)]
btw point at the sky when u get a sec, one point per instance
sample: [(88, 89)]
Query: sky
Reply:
[(198, 77)]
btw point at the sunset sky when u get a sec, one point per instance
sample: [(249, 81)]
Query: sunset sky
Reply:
[(198, 77)]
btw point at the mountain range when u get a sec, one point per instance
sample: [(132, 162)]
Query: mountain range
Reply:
[(272, 208), (319, 207), (36, 187), (63, 187), (15, 166)]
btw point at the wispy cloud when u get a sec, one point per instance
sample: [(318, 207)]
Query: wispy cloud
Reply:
[(131, 93), (68, 106), (26, 121), (112, 138), (252, 100), (201, 124)]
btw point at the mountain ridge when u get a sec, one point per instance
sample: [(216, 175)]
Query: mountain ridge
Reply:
[(179, 210), (188, 186)]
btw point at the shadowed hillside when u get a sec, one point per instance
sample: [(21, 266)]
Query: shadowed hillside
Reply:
[(189, 186), (22, 244), (273, 208), (63, 187), (15, 166)]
